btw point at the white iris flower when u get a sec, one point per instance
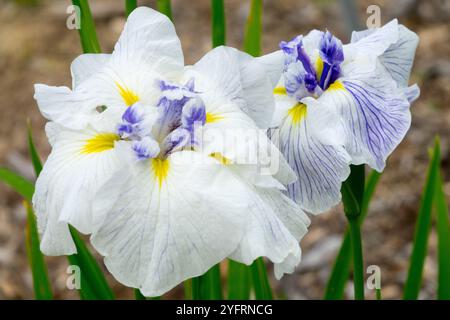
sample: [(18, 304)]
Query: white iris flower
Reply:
[(128, 167), (340, 104)]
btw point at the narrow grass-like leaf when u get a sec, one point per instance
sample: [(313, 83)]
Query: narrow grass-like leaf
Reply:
[(260, 282), (138, 295), (342, 265), (88, 35), (37, 164), (18, 183), (238, 281), (208, 286), (165, 7), (41, 282), (443, 232), (130, 5), (378, 294), (423, 225), (218, 23), (90, 271), (252, 38), (188, 290)]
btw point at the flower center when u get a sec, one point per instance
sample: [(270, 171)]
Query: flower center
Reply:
[(157, 131), (302, 78)]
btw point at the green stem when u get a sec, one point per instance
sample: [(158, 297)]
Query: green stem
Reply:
[(358, 269), (352, 197)]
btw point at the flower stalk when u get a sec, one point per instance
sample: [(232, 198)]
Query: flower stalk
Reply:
[(352, 195)]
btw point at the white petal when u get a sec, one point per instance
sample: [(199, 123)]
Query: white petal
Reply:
[(158, 233), (367, 49), (86, 65), (236, 137), (316, 153), (61, 105), (273, 64), (148, 44), (376, 115), (276, 225), (399, 56), (66, 187), (236, 76)]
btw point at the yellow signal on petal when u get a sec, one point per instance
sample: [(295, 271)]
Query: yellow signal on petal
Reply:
[(99, 143), (213, 117), (219, 157), (280, 90), (319, 67), (297, 113), (160, 169), (128, 96), (337, 85)]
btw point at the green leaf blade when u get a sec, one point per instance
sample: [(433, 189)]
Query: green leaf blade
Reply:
[(253, 28), (208, 286), (95, 282), (130, 5), (37, 164), (88, 35), (18, 183), (218, 23), (238, 281), (165, 7), (41, 282), (423, 226), (260, 281), (443, 233)]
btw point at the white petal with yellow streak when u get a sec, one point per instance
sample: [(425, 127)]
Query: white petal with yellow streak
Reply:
[(157, 233), (78, 165)]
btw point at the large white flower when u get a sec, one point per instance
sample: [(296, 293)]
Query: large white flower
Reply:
[(340, 104), (148, 157)]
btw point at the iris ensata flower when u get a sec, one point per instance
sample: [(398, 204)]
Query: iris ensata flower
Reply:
[(142, 160), (340, 104)]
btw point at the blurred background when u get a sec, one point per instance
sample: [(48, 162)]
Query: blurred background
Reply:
[(37, 47)]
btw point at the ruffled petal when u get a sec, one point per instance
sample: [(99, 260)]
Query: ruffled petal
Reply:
[(78, 165), (86, 65), (148, 44), (239, 78), (375, 113), (399, 56), (166, 221), (367, 49), (276, 225), (61, 105)]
